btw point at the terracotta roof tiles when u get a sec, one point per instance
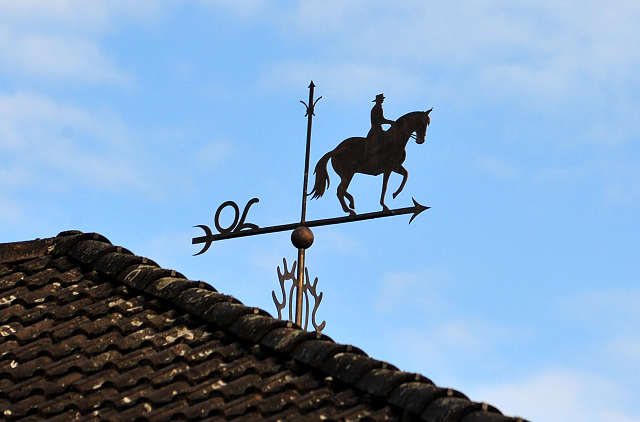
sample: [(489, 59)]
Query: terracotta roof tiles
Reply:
[(91, 332)]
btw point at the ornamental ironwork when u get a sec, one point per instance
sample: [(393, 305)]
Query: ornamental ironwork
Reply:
[(380, 152)]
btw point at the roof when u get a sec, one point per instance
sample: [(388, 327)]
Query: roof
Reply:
[(92, 332)]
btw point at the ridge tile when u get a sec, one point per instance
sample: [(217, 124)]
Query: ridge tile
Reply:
[(488, 417), (349, 367), (169, 287), (224, 314), (316, 352), (415, 396), (63, 244), (113, 263), (87, 251), (380, 381), (253, 327), (445, 409), (197, 300)]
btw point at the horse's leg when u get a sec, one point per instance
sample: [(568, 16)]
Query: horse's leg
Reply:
[(405, 174), (350, 198), (342, 193), (385, 180)]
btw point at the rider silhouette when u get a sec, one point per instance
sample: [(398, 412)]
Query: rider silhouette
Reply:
[(377, 118)]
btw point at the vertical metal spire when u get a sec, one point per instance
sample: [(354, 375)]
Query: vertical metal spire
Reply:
[(310, 114), (301, 251)]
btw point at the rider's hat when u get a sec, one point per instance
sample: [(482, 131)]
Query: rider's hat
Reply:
[(379, 97)]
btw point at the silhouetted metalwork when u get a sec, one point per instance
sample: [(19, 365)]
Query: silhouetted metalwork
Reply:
[(210, 237), (303, 214), (381, 152), (377, 118), (235, 227), (307, 288)]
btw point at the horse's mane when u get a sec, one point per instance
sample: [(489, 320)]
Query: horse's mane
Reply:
[(399, 125), (411, 114)]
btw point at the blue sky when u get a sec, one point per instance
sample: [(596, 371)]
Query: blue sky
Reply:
[(518, 287)]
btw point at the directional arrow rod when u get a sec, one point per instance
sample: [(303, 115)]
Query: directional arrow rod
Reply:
[(210, 237)]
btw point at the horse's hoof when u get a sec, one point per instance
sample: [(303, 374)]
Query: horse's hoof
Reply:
[(395, 194), (352, 213), (385, 208)]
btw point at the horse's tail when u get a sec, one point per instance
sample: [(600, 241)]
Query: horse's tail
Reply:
[(322, 177)]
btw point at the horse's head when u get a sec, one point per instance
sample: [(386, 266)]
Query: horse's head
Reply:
[(421, 131)]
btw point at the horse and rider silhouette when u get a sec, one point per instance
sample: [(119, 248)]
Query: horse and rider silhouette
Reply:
[(381, 152)]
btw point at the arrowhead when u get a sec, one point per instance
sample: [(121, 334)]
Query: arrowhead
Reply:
[(417, 209), (311, 85)]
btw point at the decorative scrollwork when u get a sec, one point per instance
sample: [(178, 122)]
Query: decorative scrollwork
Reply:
[(282, 277), (317, 299), (235, 227), (307, 288)]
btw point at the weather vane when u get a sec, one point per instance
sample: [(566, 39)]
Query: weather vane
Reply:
[(380, 152)]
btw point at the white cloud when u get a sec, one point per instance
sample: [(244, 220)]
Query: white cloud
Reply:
[(597, 308), (537, 54), (58, 58), (212, 154), (168, 248), (626, 350), (241, 8), (463, 336), (344, 80), (608, 316), (498, 167), (60, 40), (559, 395), (88, 16), (452, 350), (337, 242), (624, 188), (11, 212), (617, 179), (561, 175), (473, 337), (405, 289), (12, 174), (59, 144)]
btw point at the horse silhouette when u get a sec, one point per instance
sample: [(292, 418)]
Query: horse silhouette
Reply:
[(376, 155)]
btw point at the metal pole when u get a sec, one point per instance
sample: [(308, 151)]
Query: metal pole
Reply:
[(299, 284), (310, 108), (303, 216)]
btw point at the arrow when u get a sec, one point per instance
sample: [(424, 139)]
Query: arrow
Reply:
[(210, 237)]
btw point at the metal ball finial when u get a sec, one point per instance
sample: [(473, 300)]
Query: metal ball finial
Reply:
[(302, 237)]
